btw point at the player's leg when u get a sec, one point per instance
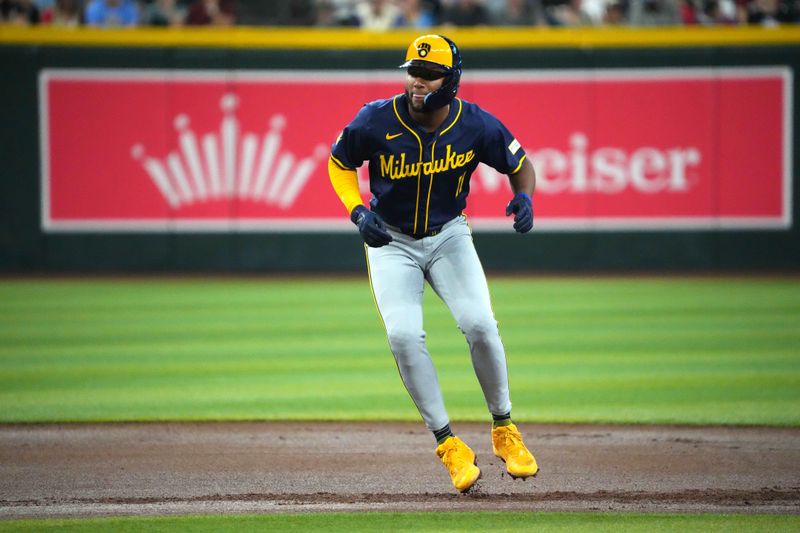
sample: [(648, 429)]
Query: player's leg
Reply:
[(456, 274), (397, 285)]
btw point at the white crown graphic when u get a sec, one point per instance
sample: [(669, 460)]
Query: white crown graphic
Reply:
[(226, 165)]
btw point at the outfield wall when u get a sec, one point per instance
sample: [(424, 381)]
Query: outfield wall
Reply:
[(165, 150)]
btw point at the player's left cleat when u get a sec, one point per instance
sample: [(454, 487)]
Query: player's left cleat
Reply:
[(507, 445)]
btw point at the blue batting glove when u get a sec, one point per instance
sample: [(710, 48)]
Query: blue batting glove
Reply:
[(371, 227), (522, 207)]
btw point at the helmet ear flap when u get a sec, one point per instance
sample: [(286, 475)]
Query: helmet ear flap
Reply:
[(445, 94)]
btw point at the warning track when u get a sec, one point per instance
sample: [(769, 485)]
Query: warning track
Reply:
[(265, 467)]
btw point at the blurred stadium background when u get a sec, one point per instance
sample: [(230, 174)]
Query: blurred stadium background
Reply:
[(382, 15), (203, 149)]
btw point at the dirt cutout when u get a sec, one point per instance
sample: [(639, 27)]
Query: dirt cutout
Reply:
[(258, 467)]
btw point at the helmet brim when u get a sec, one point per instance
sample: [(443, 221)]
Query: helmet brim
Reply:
[(427, 65)]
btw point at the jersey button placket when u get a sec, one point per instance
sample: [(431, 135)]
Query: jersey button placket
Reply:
[(424, 183)]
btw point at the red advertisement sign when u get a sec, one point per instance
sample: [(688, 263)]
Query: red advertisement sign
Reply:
[(646, 149)]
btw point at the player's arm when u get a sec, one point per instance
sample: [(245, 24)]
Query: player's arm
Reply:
[(345, 183), (524, 179), (505, 154), (523, 182), (349, 152)]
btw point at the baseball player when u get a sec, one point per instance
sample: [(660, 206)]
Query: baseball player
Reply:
[(422, 147)]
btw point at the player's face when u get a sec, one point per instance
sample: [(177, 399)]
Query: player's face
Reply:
[(419, 83)]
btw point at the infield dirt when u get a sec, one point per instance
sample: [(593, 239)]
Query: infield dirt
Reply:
[(258, 467)]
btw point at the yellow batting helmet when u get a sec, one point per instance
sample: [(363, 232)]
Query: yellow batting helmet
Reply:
[(439, 54)]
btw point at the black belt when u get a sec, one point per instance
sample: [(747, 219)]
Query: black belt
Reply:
[(434, 230), (418, 236), (430, 233)]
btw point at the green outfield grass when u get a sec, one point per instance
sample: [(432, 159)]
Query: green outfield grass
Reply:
[(640, 350), (421, 522)]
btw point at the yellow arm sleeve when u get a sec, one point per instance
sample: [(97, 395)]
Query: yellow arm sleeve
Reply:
[(345, 183)]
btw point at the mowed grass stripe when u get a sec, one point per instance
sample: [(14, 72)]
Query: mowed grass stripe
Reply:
[(654, 350), (421, 522)]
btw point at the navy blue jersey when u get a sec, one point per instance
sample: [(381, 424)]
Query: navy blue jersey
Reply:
[(420, 180)]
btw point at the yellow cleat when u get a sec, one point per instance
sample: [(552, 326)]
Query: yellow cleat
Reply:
[(507, 445), (459, 460)]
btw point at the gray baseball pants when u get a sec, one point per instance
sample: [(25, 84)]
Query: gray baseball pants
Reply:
[(449, 263)]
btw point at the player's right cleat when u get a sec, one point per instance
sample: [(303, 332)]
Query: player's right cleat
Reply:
[(507, 445), (459, 460)]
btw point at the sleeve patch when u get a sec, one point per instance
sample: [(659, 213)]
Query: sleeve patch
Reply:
[(514, 146)]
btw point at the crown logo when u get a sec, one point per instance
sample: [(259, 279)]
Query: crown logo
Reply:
[(227, 164)]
